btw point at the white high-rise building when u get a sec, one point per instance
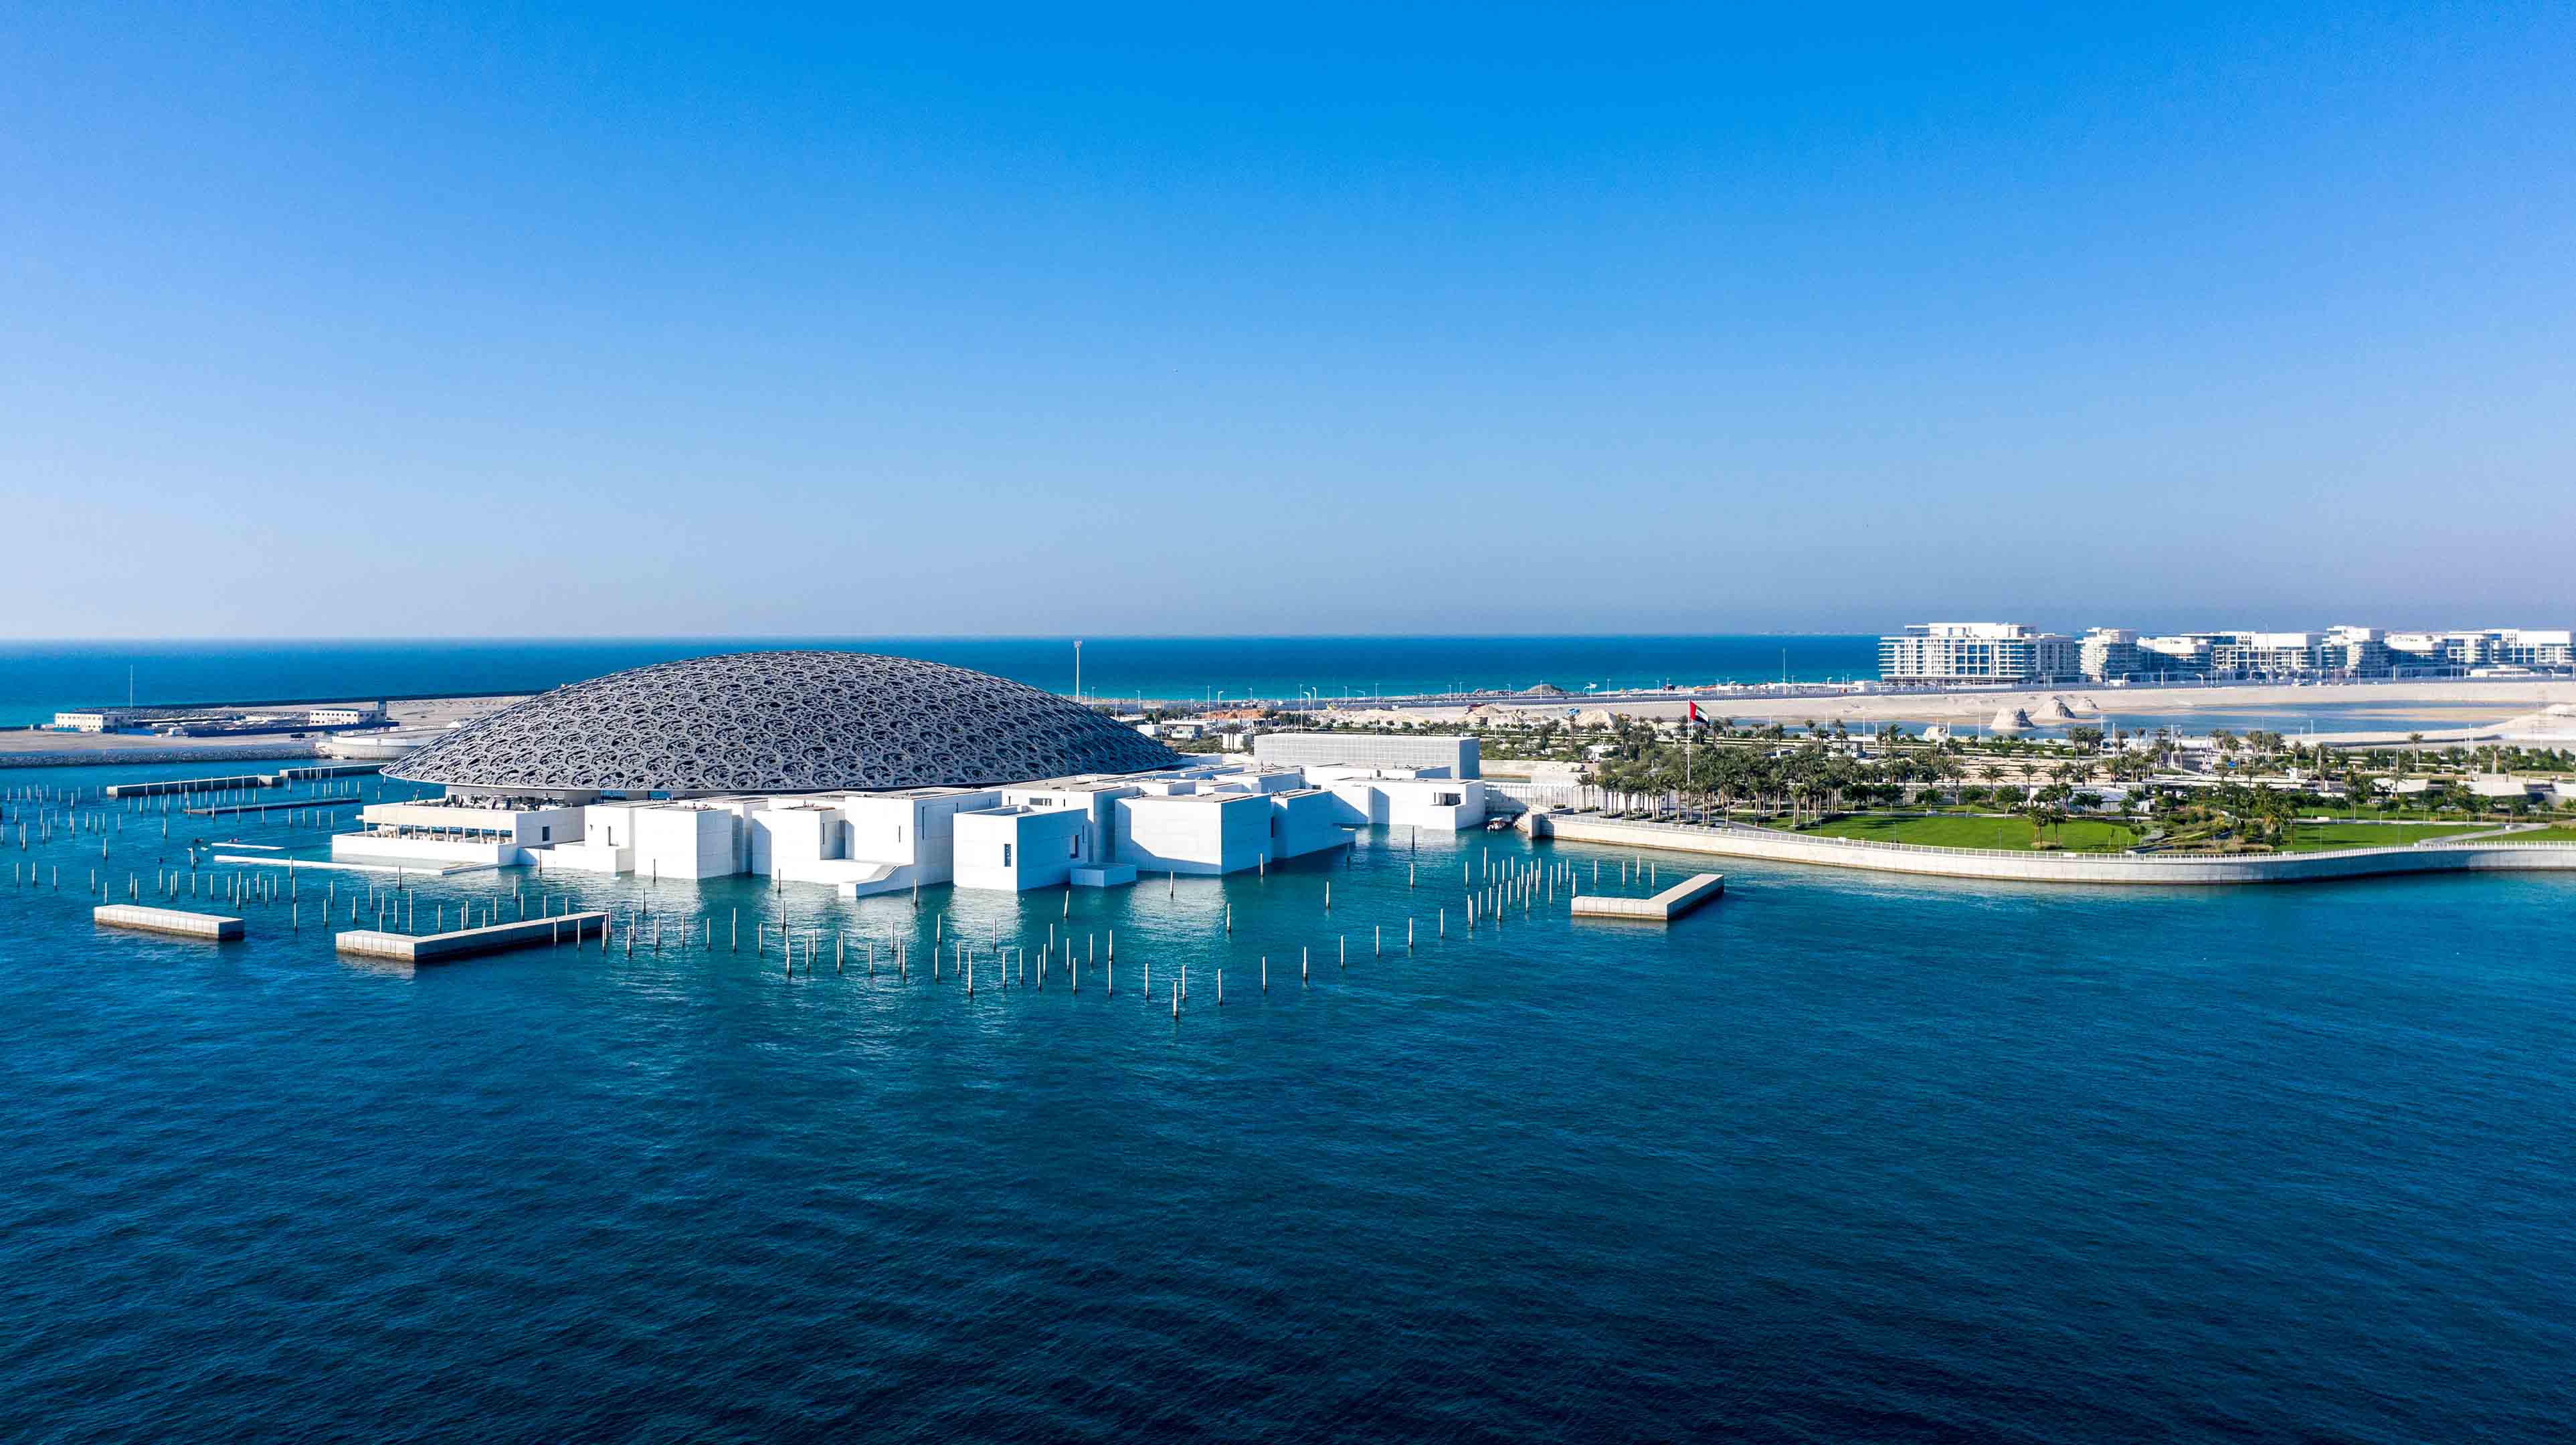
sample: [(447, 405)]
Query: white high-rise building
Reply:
[(2108, 652), (1977, 652)]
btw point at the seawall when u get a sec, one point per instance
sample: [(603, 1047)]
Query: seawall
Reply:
[(1734, 841), (125, 756)]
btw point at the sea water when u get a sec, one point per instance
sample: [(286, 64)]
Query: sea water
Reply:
[(1837, 1157), (37, 679)]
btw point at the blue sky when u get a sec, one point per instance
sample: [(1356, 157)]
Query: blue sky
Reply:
[(479, 320)]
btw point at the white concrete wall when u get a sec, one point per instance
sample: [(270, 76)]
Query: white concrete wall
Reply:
[(1438, 804), (936, 822), (868, 842), (1097, 803), (881, 830), (684, 842), (528, 827), (1265, 780), (1015, 849), (585, 857), (788, 838), (1308, 821), (1203, 833), (609, 824), (368, 847), (1359, 801), (1458, 756)]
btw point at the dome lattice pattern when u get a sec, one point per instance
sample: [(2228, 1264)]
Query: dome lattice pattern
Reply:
[(783, 722)]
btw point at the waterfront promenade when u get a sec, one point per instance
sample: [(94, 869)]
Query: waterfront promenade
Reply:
[(2484, 852)]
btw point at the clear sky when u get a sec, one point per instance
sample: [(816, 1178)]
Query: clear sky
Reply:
[(470, 319)]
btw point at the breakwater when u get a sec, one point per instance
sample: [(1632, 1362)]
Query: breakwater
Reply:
[(1729, 840), (123, 757)]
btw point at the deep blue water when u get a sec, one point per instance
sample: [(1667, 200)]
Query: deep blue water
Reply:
[(1836, 1159), (39, 678)]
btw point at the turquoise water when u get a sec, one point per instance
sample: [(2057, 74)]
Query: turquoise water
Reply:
[(39, 678), (1836, 1158)]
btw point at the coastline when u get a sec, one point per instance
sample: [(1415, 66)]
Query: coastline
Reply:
[(2479, 700), (2481, 706), (2485, 853)]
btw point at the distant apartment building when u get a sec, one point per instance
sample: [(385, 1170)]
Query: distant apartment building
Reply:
[(2265, 654), (2108, 652), (1992, 651), (2482, 647), (2536, 647), (2181, 654), (2355, 651), (2437, 651), (2341, 651), (1966, 652)]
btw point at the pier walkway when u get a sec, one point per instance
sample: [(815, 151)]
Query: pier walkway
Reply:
[(1664, 907), (179, 922), (560, 928), (280, 805)]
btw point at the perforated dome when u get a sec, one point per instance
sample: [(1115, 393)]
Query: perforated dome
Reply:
[(783, 722)]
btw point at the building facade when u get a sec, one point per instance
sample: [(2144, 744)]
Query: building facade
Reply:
[(1975, 652), (1448, 756), (2108, 652)]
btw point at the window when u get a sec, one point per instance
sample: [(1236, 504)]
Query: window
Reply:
[(545, 834), (898, 832), (1006, 855), (1444, 800), (1073, 846)]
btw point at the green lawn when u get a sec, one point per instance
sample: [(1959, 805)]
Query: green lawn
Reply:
[(2081, 835), (2321, 837), (2556, 833)]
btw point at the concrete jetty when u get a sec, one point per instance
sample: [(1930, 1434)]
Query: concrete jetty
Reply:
[(1664, 907), (280, 805), (464, 942), (178, 922), (413, 868)]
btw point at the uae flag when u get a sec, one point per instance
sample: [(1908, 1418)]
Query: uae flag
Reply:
[(1694, 712)]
